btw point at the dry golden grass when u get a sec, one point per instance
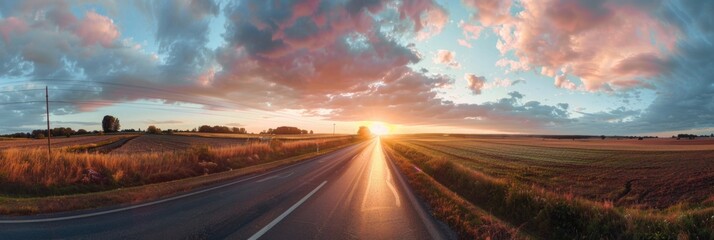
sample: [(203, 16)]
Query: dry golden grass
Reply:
[(60, 142), (28, 172), (138, 194)]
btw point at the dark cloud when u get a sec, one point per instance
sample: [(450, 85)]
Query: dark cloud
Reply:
[(352, 59), (235, 125)]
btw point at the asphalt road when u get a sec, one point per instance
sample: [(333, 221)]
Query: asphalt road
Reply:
[(352, 193)]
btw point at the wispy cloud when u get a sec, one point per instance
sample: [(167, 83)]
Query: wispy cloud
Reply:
[(163, 122)]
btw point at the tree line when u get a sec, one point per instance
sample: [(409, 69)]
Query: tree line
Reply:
[(286, 130)]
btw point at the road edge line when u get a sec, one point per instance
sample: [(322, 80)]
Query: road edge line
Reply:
[(430, 225)]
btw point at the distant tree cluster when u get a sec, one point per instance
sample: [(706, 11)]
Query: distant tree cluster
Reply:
[(286, 130), (364, 132), (692, 136), (110, 124), (42, 133), (221, 129)]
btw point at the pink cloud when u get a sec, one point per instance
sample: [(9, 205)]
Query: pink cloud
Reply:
[(464, 43), (491, 12), (561, 81), (97, 29), (475, 83), (446, 57), (567, 35), (10, 26), (470, 31), (432, 23), (423, 13)]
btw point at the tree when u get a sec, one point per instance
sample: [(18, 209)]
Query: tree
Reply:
[(110, 124), (364, 132), (153, 130), (602, 137), (81, 131), (311, 132)]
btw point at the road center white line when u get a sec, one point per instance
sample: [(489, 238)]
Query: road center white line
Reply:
[(285, 214)]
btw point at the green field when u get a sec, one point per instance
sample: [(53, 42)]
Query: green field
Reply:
[(568, 189)]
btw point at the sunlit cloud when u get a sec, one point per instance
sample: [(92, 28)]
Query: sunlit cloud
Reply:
[(358, 60)]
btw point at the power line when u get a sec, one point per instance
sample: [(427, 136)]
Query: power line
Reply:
[(149, 106), (49, 134)]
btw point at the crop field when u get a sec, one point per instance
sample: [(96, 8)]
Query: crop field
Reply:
[(645, 177), (58, 142), (658, 183), (29, 173), (169, 143)]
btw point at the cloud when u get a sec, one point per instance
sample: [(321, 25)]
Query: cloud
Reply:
[(45, 43), (82, 123), (235, 125), (470, 31), (464, 43), (502, 82), (163, 122), (475, 83), (433, 21), (318, 57), (561, 81), (565, 37), (491, 12), (307, 52), (96, 29), (447, 58)]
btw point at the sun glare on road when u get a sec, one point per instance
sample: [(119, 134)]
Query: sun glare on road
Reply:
[(378, 128)]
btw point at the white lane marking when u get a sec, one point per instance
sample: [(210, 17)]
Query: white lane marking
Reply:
[(391, 187), (285, 214), (277, 176)]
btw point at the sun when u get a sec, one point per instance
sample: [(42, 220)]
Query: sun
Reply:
[(379, 128)]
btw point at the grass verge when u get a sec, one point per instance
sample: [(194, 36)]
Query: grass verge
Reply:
[(467, 220), (139, 194)]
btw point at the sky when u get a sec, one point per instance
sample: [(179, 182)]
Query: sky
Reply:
[(628, 67)]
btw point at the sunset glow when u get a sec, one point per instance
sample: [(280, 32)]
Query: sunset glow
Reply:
[(357, 119), (463, 66), (379, 128)]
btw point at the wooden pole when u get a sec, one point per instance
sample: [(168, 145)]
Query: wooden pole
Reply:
[(49, 133)]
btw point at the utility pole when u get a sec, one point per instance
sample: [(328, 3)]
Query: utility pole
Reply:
[(333, 129), (49, 133)]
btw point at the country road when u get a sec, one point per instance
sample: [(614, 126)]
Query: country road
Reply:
[(352, 193)]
